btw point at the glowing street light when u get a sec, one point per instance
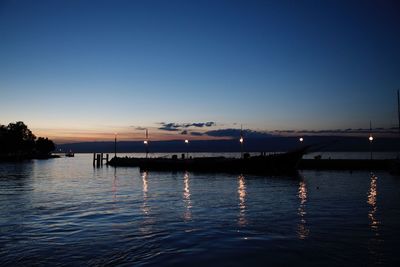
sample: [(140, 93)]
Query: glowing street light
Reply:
[(370, 138), (301, 139), (187, 148), (146, 143), (241, 140)]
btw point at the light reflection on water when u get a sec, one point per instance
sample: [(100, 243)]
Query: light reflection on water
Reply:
[(65, 212), (242, 201), (186, 197), (375, 242), (145, 207), (372, 196), (303, 230), (114, 186)]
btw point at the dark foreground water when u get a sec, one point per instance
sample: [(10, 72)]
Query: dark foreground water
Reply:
[(65, 212)]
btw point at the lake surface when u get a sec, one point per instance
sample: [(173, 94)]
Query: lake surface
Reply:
[(64, 212)]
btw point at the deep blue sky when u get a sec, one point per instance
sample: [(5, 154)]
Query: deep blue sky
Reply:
[(270, 65)]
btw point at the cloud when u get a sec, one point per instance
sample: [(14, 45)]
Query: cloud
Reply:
[(236, 133), (169, 128), (204, 124), (172, 126), (184, 132), (196, 133), (139, 128), (284, 131)]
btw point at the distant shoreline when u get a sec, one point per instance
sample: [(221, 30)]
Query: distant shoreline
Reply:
[(273, 144)]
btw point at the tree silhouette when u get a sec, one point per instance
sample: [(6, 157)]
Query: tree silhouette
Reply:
[(4, 145), (20, 138), (44, 145), (17, 140)]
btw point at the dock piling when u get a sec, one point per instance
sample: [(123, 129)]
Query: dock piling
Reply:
[(98, 160)]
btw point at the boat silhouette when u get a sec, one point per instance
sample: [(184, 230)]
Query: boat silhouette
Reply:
[(280, 163), (70, 154)]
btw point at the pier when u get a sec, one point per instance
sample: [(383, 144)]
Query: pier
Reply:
[(276, 163)]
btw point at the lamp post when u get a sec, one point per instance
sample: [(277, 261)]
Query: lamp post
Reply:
[(301, 139), (146, 143), (370, 138), (115, 145), (241, 140), (187, 148)]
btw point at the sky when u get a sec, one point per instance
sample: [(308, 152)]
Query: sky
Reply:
[(84, 70)]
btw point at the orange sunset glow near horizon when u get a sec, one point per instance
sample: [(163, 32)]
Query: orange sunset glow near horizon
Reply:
[(61, 136)]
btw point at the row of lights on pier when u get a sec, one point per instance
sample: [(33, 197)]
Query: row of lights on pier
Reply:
[(146, 143), (241, 140)]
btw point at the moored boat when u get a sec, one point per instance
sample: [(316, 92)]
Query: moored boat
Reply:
[(70, 154)]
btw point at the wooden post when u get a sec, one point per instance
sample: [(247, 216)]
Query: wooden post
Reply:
[(94, 159), (101, 161), (98, 160), (107, 158)]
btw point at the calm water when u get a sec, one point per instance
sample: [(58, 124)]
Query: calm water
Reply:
[(65, 212)]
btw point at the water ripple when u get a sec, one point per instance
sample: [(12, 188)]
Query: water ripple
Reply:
[(64, 213)]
